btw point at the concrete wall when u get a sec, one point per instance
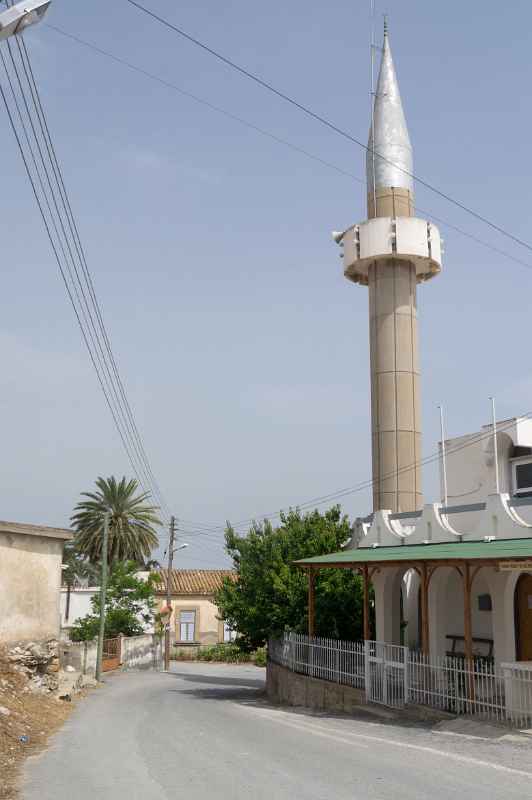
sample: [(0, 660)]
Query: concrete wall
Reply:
[(141, 652), (138, 652), (30, 580), (470, 468), (291, 689), (80, 604), (80, 655)]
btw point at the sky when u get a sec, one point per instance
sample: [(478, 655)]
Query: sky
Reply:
[(243, 348)]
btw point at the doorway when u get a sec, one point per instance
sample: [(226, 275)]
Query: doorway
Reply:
[(523, 618)]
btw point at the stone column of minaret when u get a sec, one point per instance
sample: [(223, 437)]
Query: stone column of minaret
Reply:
[(391, 253)]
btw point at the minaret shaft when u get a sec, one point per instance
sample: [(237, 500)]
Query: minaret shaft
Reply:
[(394, 369)]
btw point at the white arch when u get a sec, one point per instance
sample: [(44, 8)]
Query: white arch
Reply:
[(387, 584), (446, 609)]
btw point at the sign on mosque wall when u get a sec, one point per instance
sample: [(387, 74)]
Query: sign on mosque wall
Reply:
[(515, 566)]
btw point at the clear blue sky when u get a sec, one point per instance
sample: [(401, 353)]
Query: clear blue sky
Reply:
[(244, 349)]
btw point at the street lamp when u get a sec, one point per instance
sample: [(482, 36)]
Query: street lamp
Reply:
[(20, 16)]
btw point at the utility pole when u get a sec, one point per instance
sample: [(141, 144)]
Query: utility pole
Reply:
[(103, 594), (169, 595)]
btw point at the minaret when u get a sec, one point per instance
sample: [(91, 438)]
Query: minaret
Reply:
[(390, 253)]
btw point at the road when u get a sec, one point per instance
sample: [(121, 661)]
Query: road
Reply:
[(206, 731)]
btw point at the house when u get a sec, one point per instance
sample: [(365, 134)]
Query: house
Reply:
[(195, 619), (30, 581)]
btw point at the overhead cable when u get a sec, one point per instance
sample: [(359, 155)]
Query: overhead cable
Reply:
[(274, 137), (323, 120), (30, 127)]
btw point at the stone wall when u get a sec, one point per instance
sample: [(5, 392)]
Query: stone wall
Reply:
[(291, 689)]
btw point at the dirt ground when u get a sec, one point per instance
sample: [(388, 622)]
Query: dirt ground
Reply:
[(32, 718)]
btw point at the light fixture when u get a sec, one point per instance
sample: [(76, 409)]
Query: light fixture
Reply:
[(20, 16)]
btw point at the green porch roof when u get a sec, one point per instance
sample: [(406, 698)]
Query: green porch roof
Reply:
[(501, 549)]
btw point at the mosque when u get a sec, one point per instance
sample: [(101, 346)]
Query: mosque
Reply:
[(452, 577)]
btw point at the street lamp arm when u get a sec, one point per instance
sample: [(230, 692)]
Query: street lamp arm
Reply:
[(20, 16)]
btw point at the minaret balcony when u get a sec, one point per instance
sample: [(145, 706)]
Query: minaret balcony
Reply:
[(394, 239)]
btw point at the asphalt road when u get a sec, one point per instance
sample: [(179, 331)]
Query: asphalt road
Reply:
[(205, 731)]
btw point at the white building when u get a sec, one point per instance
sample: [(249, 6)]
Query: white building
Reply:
[(457, 578)]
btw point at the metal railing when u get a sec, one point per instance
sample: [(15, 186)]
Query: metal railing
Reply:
[(329, 659), (452, 684), (395, 676)]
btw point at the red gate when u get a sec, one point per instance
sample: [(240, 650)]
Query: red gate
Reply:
[(111, 655)]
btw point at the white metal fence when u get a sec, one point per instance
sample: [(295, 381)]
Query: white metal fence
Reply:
[(328, 659), (395, 676)]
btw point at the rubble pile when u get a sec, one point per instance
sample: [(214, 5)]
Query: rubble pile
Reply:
[(27, 717), (39, 662)]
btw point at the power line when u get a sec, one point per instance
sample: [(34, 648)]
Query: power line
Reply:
[(87, 275), (323, 120), (48, 186), (338, 494), (274, 137)]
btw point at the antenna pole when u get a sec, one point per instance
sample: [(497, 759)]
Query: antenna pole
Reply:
[(443, 460), (372, 98), (495, 453)]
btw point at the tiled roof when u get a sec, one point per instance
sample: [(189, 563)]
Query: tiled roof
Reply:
[(36, 530), (194, 581)]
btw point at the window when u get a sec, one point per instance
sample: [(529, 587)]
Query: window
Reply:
[(523, 478), (187, 626), (484, 602), (229, 633)]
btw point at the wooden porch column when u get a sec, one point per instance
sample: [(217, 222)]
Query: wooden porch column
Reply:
[(365, 574), (425, 647), (311, 602), (468, 631)]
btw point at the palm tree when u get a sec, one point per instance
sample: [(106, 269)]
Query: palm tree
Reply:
[(131, 533)]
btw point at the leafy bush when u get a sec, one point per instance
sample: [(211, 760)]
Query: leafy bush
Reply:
[(232, 653), (129, 606), (260, 657), (229, 653)]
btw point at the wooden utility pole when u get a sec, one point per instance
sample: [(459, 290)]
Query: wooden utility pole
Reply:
[(103, 595), (311, 602), (365, 573), (425, 646), (169, 595), (468, 636)]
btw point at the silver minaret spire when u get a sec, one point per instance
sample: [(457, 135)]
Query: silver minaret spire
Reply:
[(391, 140)]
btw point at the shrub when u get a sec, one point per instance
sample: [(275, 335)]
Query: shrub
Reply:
[(259, 657), (232, 653)]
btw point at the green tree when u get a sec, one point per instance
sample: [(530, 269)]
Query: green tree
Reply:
[(129, 606), (75, 569), (132, 536), (270, 595)]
